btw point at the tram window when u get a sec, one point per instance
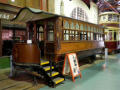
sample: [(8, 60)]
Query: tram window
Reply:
[(92, 29), (101, 37), (109, 17), (41, 34), (97, 36), (85, 27), (31, 32), (107, 36), (72, 26), (94, 36), (76, 35), (114, 35), (117, 18), (110, 35), (72, 35), (66, 35), (77, 26), (50, 35), (91, 36), (81, 27), (66, 24), (85, 35), (81, 36), (114, 17), (50, 31), (88, 28)]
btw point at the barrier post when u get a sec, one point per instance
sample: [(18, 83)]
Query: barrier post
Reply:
[(11, 66), (106, 55)]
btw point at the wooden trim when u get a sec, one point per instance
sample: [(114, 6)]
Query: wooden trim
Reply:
[(0, 39), (46, 5), (45, 41), (8, 5), (27, 31), (41, 4), (35, 31), (8, 11)]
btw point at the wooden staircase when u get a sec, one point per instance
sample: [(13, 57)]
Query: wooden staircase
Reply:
[(44, 70), (51, 76)]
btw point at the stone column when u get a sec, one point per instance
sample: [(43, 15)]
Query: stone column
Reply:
[(0, 39)]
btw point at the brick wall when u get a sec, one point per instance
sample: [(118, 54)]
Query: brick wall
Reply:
[(0, 39)]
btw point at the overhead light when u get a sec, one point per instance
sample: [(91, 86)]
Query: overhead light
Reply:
[(13, 0), (70, 0)]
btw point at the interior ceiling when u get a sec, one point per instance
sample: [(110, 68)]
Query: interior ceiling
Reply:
[(88, 2), (105, 5), (108, 5)]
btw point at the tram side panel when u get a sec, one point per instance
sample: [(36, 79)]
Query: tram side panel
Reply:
[(83, 47)]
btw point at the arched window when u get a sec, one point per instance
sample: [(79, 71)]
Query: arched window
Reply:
[(41, 33), (79, 13)]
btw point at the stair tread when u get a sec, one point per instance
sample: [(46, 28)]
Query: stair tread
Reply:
[(54, 73), (47, 68), (43, 62), (58, 80)]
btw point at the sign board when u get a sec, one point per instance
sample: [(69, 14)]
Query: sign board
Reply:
[(71, 65)]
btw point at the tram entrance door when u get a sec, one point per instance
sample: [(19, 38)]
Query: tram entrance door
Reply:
[(45, 37), (40, 39)]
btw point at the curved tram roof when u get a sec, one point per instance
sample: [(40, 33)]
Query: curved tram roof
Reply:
[(30, 14)]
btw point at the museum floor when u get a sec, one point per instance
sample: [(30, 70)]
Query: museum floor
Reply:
[(94, 77)]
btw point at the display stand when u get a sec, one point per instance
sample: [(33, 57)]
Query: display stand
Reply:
[(71, 66)]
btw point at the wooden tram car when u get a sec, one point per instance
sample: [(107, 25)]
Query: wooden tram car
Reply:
[(53, 36), (58, 35), (112, 33)]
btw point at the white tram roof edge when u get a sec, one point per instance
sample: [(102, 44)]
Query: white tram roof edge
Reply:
[(110, 12)]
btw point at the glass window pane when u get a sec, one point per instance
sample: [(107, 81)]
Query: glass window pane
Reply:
[(72, 26), (85, 27), (88, 28), (66, 25), (50, 35), (66, 34), (77, 26), (81, 27), (110, 17)]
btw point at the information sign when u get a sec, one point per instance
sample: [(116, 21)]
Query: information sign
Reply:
[(71, 65)]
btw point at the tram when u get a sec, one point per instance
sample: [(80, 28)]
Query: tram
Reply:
[(112, 33), (58, 35), (48, 38)]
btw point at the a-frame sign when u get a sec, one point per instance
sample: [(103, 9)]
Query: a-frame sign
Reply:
[(71, 66)]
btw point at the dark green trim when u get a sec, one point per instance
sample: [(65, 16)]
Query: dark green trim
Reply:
[(4, 62)]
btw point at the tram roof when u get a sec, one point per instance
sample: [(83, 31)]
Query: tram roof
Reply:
[(31, 14)]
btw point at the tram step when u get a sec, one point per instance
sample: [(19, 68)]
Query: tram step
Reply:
[(58, 80), (47, 68), (54, 73), (43, 62)]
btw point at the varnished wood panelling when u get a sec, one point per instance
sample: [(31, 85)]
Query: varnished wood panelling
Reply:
[(0, 39), (67, 47), (29, 3), (49, 48), (19, 3)]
